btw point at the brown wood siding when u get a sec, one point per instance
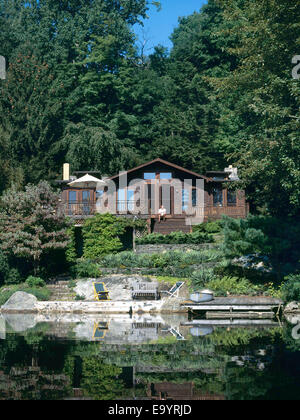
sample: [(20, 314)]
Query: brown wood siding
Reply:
[(158, 166)]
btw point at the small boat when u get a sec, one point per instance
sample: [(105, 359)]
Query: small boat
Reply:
[(201, 331), (203, 296)]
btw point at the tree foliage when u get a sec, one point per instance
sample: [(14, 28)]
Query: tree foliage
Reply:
[(101, 236), (30, 224), (79, 90), (274, 239), (265, 100)]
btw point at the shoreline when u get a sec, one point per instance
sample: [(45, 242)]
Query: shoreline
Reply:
[(22, 302), (98, 307)]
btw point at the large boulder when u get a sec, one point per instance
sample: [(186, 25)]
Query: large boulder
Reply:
[(20, 302)]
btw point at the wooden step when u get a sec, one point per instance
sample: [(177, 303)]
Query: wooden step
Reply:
[(169, 226)]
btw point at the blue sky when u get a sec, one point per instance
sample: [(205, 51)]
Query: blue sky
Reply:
[(160, 25)]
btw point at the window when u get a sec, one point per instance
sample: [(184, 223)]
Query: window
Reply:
[(185, 199), (86, 206), (231, 198), (130, 200), (149, 175), (218, 196), (194, 197), (72, 202), (72, 197), (161, 175), (86, 196), (121, 200), (165, 175)]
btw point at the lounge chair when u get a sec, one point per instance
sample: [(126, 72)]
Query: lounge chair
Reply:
[(100, 291), (174, 331), (174, 290), (100, 330)]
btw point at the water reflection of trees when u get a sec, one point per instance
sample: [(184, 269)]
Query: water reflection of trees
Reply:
[(234, 364)]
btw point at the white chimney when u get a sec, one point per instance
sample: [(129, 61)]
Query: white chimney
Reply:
[(233, 173), (66, 172)]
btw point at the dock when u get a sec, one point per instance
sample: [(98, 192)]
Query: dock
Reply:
[(237, 307), (233, 323)]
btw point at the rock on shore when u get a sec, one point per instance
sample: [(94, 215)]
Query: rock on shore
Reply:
[(20, 302)]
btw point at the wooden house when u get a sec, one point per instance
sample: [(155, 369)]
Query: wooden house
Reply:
[(188, 197)]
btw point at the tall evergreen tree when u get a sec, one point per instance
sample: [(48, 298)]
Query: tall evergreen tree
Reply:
[(265, 100), (55, 77)]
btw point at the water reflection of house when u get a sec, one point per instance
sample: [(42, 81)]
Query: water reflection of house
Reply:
[(184, 391), (126, 332)]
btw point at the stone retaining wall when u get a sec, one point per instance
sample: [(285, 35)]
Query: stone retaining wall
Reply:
[(159, 248), (109, 307), (157, 271), (22, 302)]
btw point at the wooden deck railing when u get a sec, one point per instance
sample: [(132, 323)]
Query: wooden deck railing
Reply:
[(211, 212), (88, 208), (78, 208)]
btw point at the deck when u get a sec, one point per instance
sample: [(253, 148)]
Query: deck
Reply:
[(237, 307), (233, 323)]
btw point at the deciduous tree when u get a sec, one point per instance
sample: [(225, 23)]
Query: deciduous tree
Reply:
[(30, 224)]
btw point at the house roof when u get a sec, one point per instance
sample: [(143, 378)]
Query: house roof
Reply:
[(158, 160), (218, 172)]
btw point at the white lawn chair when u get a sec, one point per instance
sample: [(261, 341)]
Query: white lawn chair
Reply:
[(174, 291), (174, 331)]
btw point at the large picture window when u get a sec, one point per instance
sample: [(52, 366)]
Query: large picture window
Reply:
[(72, 197), (149, 175), (185, 199), (165, 175), (231, 198), (130, 200), (218, 196), (121, 200)]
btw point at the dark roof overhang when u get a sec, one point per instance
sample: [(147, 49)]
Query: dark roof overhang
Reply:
[(158, 160)]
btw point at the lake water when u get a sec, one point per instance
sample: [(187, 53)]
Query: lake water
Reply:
[(143, 357)]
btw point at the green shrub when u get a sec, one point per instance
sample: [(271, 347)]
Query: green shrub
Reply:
[(241, 238), (71, 250), (13, 277), (201, 278), (85, 269), (172, 280), (172, 259), (232, 285), (42, 294), (4, 267), (35, 282), (291, 289), (209, 227), (255, 276), (276, 238), (175, 238), (72, 284), (213, 227), (78, 297), (101, 236)]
